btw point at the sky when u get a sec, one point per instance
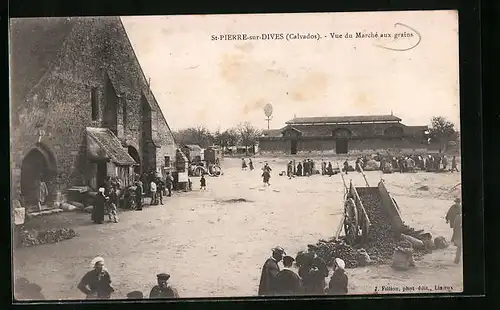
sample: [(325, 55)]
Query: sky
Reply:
[(221, 83)]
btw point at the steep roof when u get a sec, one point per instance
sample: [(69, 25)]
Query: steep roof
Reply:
[(271, 132), (110, 145), (343, 119), (35, 43)]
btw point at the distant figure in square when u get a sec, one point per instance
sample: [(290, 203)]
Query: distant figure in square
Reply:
[(250, 164), (138, 195), (163, 290), (329, 169), (160, 190), (169, 181), (445, 162), (243, 164), (323, 168), (346, 166), (98, 209), (288, 283), (299, 169), (203, 182), (454, 164), (153, 189), (266, 175), (112, 203), (289, 170)]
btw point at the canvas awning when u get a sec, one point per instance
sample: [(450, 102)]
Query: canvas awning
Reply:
[(103, 144)]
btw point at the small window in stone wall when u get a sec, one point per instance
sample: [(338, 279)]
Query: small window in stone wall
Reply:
[(93, 101), (167, 161)]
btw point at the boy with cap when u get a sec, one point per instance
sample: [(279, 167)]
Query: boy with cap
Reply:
[(315, 273), (163, 290), (270, 272), (287, 281), (338, 281)]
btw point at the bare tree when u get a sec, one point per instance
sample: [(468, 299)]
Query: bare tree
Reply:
[(442, 131), (248, 135)]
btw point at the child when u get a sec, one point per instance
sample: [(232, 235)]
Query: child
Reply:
[(203, 182)]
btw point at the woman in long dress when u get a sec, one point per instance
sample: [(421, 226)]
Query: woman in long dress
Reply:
[(98, 209)]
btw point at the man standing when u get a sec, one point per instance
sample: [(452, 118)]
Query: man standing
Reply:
[(138, 195), (457, 234), (288, 282), (270, 270), (163, 290), (452, 212), (160, 190), (153, 189), (289, 170), (169, 181), (346, 166)]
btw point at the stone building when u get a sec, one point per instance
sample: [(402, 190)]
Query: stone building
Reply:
[(344, 135), (81, 107)]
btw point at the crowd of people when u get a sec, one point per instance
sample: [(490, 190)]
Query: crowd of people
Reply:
[(309, 280)]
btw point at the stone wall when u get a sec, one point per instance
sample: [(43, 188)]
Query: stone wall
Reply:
[(60, 104)]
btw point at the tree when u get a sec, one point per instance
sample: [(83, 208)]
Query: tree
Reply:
[(248, 135), (228, 137), (442, 131), (194, 135)]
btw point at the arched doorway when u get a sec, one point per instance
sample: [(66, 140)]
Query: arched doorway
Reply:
[(37, 166), (132, 151)]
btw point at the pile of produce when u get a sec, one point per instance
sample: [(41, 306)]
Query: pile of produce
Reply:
[(382, 239), (32, 237)]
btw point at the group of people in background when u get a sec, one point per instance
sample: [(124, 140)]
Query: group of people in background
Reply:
[(429, 163), (96, 284), (244, 165), (310, 279)]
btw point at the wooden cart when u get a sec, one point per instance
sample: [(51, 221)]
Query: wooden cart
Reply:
[(355, 222)]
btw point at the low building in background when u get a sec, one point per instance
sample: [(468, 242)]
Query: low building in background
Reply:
[(344, 135)]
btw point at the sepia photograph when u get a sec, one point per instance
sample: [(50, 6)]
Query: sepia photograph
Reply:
[(238, 155)]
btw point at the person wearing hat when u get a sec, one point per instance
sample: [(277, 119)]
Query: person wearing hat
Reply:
[(457, 234), (339, 280), (163, 290), (452, 212), (96, 284), (98, 209), (288, 282), (270, 272)]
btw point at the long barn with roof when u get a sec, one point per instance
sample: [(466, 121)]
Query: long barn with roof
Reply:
[(343, 135)]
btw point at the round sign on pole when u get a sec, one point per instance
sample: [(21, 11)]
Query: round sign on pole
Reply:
[(268, 109)]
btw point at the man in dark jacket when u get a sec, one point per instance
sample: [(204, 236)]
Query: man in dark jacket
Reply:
[(169, 182), (288, 282), (452, 212), (161, 190), (270, 272), (163, 290), (338, 281)]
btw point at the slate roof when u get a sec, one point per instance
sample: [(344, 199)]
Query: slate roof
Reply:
[(34, 46), (111, 145), (344, 119)]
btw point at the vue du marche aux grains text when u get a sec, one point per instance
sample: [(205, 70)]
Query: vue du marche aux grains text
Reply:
[(309, 36)]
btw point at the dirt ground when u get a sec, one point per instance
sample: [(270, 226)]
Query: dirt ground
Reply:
[(214, 248)]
